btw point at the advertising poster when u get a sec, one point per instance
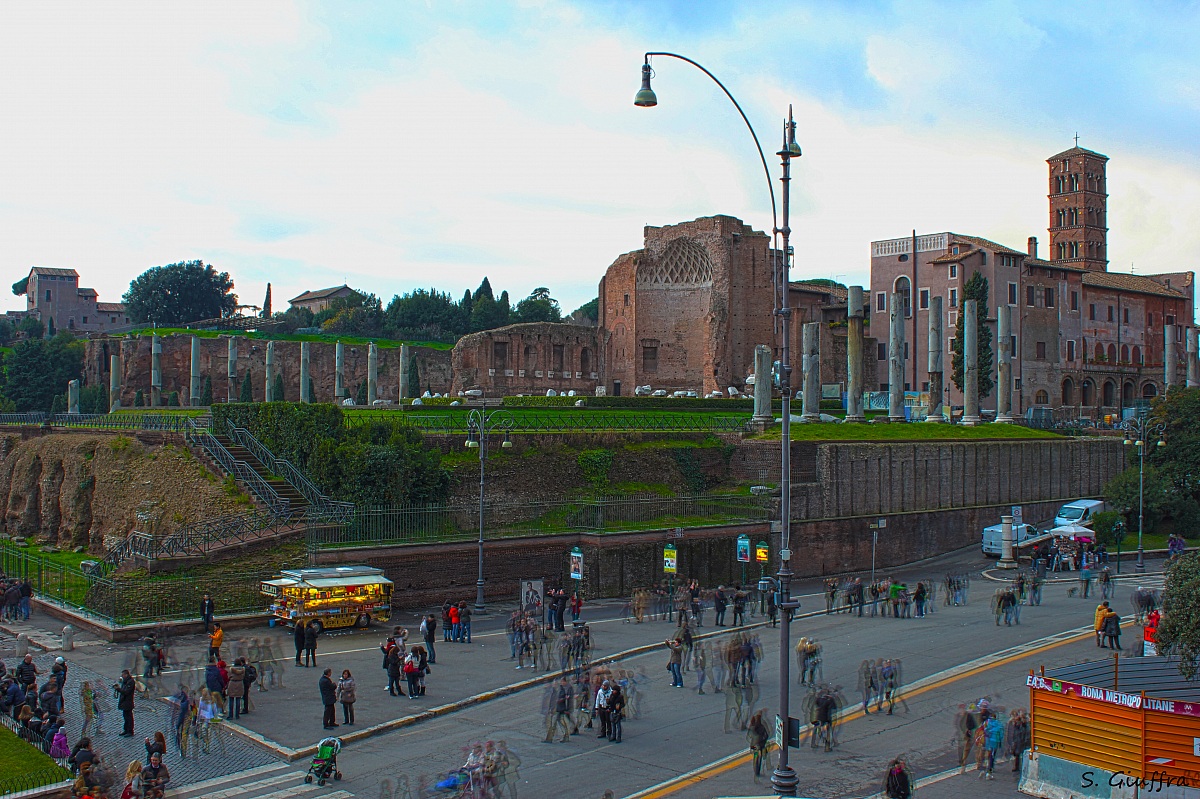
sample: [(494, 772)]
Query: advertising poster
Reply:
[(576, 564), (530, 595)]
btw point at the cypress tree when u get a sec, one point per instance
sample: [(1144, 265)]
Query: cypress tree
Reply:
[(975, 289), (312, 390), (266, 311), (139, 399), (277, 387), (360, 396), (206, 398), (247, 392), (414, 378), (173, 400)]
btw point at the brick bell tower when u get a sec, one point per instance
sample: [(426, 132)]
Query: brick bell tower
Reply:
[(1079, 208)]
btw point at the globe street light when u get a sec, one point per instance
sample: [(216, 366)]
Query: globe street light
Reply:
[(784, 778), (479, 423), (1139, 431)]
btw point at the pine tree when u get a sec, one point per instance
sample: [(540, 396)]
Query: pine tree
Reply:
[(139, 399), (59, 404), (360, 396), (312, 390), (277, 387), (206, 398), (414, 378), (266, 310), (247, 392), (975, 289), (173, 400)]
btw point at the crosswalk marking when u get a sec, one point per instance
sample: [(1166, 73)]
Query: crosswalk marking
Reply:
[(244, 789), (215, 781)]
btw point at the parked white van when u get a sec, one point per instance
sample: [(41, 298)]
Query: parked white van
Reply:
[(1079, 512), (993, 537)]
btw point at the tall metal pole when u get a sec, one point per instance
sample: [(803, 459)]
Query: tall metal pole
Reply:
[(479, 606), (1141, 445), (1139, 432)]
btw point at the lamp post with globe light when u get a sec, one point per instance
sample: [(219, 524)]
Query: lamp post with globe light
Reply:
[(479, 424), (1139, 432), (784, 778)]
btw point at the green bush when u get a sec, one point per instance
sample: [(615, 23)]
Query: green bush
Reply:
[(561, 401), (831, 405), (595, 463)]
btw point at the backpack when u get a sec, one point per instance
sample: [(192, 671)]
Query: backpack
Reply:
[(251, 673)]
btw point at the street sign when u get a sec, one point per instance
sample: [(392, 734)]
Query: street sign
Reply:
[(882, 522), (1017, 516), (762, 552), (743, 549), (793, 733), (576, 564), (669, 559)]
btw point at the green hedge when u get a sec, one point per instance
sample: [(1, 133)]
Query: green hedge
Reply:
[(533, 401), (290, 430), (739, 405)]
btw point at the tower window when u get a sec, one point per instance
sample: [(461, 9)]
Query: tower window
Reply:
[(1012, 293), (1092, 312), (881, 302), (953, 298), (924, 299), (1110, 313), (650, 359), (1070, 349), (1074, 300), (1050, 297), (1040, 348), (954, 269), (47, 295), (1029, 296), (1126, 314)]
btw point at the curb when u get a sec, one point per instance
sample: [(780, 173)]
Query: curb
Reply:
[(1002, 576), (34, 642), (289, 754)]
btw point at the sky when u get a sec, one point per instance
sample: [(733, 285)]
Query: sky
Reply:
[(429, 143)]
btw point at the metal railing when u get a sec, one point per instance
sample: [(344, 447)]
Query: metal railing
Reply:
[(171, 422), (561, 421), (321, 508), (443, 523), (239, 470), (35, 417)]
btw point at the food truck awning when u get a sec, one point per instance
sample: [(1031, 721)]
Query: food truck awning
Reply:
[(284, 583), (341, 582), (331, 572)]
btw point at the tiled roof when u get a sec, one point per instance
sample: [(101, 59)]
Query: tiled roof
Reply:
[(319, 294), (50, 270), (110, 307), (1076, 151), (1138, 283), (836, 293), (951, 257), (86, 292), (1040, 264), (987, 244)]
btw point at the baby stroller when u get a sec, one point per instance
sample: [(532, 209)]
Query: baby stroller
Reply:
[(457, 783), (324, 762)]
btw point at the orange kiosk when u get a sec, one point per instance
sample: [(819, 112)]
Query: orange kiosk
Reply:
[(337, 596)]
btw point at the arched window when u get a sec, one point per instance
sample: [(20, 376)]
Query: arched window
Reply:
[(1068, 392), (1112, 353), (1110, 394), (1041, 398), (903, 287), (1099, 351), (1149, 391), (585, 361), (1089, 393), (1137, 355), (1127, 392), (1124, 353)]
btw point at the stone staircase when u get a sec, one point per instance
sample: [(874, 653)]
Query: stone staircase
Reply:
[(286, 491)]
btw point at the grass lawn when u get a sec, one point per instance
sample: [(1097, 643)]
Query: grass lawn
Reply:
[(21, 760), (382, 343), (918, 431)]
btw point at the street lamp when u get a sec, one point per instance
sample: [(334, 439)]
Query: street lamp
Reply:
[(479, 423), (1139, 431), (784, 778)]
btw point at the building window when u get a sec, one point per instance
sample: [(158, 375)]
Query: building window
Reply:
[(953, 250), (953, 298), (882, 351), (85, 320), (1012, 343), (1124, 353), (1125, 313), (1074, 247), (1092, 311), (1070, 349), (1029, 296), (1041, 351), (881, 302), (1170, 319), (903, 287), (1068, 392), (1074, 300), (650, 359), (557, 355), (906, 350), (954, 267), (1137, 355), (1041, 398), (1110, 313), (1150, 319), (924, 299), (47, 295), (1050, 297), (627, 299), (499, 354), (1012, 293)]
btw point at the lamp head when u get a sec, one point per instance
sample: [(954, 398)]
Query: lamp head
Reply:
[(645, 98), (1162, 443), (790, 147), (1127, 442), (1138, 443)]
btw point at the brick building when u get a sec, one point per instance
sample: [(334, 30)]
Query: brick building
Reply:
[(529, 358), (320, 299), (1086, 341), (54, 297)]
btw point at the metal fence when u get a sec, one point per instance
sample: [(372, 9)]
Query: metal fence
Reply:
[(441, 523), (565, 420), (171, 422)]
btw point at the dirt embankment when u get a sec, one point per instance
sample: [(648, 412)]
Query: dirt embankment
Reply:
[(83, 490)]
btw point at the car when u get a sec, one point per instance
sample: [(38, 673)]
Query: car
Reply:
[(1079, 512), (993, 537)]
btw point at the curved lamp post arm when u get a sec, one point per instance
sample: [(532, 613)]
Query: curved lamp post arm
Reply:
[(758, 146)]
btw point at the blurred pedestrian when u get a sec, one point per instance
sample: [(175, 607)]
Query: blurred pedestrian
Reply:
[(898, 784)]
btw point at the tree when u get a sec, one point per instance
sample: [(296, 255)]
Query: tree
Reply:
[(539, 306), (360, 396), (589, 310), (93, 399), (139, 399), (487, 314), (32, 327), (173, 400), (206, 397), (247, 392), (1106, 524), (975, 289), (484, 290), (277, 388), (37, 370), (427, 313), (414, 378), (1178, 633), (179, 293), (266, 309), (1122, 494)]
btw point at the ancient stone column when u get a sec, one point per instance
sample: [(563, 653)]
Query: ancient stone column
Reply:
[(1004, 364), (269, 393), (896, 359), (73, 397), (811, 364), (155, 371), (339, 366), (854, 355), (194, 387), (305, 395), (762, 384), (1006, 538), (114, 382), (1170, 357), (971, 363), (1193, 359), (405, 365), (232, 392), (372, 373), (934, 347)]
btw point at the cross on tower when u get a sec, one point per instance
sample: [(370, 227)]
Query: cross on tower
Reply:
[(1076, 139)]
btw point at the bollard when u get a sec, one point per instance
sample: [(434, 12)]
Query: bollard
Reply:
[(22, 645), (68, 638)]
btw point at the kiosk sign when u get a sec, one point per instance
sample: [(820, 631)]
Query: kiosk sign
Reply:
[(669, 559), (576, 564), (743, 549), (762, 552)]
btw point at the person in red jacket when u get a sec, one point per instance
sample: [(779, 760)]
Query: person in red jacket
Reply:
[(455, 625)]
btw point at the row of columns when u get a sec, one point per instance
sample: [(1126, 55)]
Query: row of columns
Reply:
[(195, 382)]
